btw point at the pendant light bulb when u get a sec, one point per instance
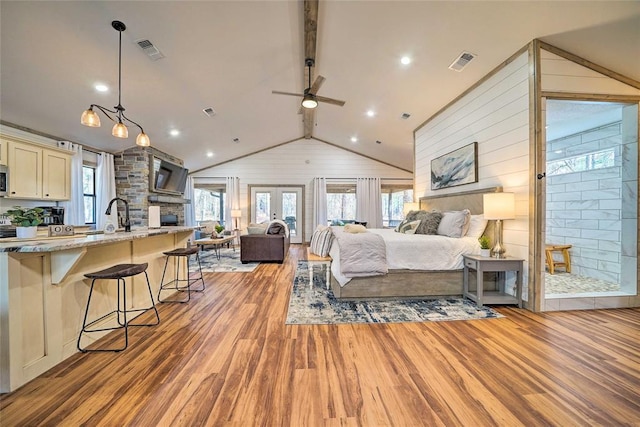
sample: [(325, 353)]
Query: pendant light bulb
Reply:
[(90, 118), (309, 101), (120, 130), (143, 140)]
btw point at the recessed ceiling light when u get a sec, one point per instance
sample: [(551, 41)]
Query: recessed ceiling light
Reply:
[(209, 154), (371, 113), (174, 132), (101, 87), (354, 139), (405, 60)]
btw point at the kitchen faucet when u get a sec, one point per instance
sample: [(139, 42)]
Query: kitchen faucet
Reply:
[(127, 222)]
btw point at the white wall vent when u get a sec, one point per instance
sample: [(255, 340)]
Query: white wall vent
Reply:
[(209, 111), (461, 61), (150, 50)]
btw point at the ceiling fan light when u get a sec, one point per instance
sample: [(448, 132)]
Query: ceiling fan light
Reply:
[(143, 140), (309, 101), (90, 118), (120, 130)]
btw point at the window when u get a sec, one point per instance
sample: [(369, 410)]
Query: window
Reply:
[(209, 204), (89, 193), (341, 204), (393, 200), (588, 161)]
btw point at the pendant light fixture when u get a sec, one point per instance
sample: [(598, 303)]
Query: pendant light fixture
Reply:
[(90, 118), (309, 100)]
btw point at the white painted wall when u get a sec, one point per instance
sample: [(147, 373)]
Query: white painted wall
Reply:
[(496, 115), (297, 163)]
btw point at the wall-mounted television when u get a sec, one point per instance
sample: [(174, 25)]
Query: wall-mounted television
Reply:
[(166, 177)]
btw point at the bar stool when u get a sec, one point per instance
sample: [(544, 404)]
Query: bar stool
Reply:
[(118, 272), (552, 264), (174, 284)]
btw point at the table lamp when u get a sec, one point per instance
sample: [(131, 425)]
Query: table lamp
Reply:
[(235, 214), (499, 206)]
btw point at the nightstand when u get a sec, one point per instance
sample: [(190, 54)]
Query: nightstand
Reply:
[(482, 264)]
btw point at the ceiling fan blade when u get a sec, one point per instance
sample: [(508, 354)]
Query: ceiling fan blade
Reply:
[(316, 85), (278, 92), (330, 101)]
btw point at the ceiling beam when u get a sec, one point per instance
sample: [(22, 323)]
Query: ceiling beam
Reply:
[(310, 34)]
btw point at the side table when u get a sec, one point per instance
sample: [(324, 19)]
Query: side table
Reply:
[(481, 264)]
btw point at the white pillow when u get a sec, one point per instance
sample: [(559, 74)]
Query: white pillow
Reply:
[(477, 225), (454, 223), (355, 228), (321, 241)]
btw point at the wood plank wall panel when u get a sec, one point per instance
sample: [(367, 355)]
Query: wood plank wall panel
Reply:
[(227, 358), (496, 115), (561, 75), (287, 165)]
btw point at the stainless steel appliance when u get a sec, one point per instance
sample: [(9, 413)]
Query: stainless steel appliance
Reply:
[(52, 215), (4, 180)]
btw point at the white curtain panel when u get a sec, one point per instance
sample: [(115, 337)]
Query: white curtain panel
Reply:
[(233, 200), (369, 202), (105, 190), (74, 208), (189, 211), (319, 202)]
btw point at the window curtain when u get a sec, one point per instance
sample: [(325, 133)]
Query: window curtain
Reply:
[(74, 208), (319, 201), (105, 190), (369, 202), (233, 200), (189, 211)]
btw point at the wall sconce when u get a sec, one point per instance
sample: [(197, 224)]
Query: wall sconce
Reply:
[(499, 206)]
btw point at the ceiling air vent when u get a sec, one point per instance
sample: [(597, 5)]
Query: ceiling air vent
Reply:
[(405, 116), (462, 61), (150, 50), (209, 111)]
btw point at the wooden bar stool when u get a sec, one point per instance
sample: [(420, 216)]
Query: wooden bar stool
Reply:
[(174, 284), (117, 272), (553, 264)]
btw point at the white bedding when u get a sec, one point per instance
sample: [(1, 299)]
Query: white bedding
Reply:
[(415, 252)]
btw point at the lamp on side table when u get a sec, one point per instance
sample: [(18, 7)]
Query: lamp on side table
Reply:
[(499, 206)]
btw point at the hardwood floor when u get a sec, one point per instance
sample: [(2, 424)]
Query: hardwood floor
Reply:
[(227, 358)]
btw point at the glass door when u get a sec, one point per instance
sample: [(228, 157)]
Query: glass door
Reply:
[(283, 203)]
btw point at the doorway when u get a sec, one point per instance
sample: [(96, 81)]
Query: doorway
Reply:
[(591, 199), (279, 202)]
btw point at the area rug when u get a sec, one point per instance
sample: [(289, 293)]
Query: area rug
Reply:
[(229, 262), (317, 305)]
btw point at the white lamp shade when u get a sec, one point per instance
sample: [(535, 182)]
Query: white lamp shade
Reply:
[(143, 140), (499, 205), (90, 118), (236, 213), (411, 206), (120, 130)]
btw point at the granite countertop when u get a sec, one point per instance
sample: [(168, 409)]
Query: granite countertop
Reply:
[(79, 240)]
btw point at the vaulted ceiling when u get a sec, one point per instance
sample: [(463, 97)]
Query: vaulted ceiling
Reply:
[(230, 55)]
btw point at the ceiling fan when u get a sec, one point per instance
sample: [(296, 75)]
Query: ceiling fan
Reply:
[(310, 98)]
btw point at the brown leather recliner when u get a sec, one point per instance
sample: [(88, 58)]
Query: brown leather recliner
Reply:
[(266, 247)]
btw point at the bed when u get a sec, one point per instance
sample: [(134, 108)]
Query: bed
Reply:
[(414, 282)]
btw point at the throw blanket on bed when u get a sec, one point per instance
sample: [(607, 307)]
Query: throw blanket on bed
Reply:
[(361, 254)]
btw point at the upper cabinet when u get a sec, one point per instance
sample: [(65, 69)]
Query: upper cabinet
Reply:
[(37, 172), (3, 151)]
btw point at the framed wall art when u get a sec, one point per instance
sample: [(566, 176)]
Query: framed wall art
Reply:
[(455, 168)]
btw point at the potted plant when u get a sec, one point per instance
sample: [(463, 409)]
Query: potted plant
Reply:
[(485, 249), (26, 221), (219, 230)]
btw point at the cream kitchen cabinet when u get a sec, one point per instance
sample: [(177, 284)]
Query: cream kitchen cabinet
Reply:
[(3, 151), (37, 172)]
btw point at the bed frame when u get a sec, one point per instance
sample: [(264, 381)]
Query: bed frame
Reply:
[(415, 283)]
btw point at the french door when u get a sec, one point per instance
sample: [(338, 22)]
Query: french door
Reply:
[(283, 203)]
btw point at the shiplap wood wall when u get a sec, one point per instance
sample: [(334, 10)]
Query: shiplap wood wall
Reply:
[(496, 115), (297, 163)]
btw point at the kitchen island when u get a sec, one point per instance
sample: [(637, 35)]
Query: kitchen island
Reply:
[(43, 292)]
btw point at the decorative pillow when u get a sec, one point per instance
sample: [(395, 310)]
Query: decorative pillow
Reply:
[(409, 227), (397, 229), (454, 223), (477, 225), (276, 228), (429, 222), (355, 228), (413, 215), (254, 228), (321, 241)]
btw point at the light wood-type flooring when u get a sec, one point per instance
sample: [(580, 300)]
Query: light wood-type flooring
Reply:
[(227, 358)]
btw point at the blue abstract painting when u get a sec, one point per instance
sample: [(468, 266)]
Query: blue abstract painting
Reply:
[(455, 168)]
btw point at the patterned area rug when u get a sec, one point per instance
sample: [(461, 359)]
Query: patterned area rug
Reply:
[(229, 262), (317, 305)]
